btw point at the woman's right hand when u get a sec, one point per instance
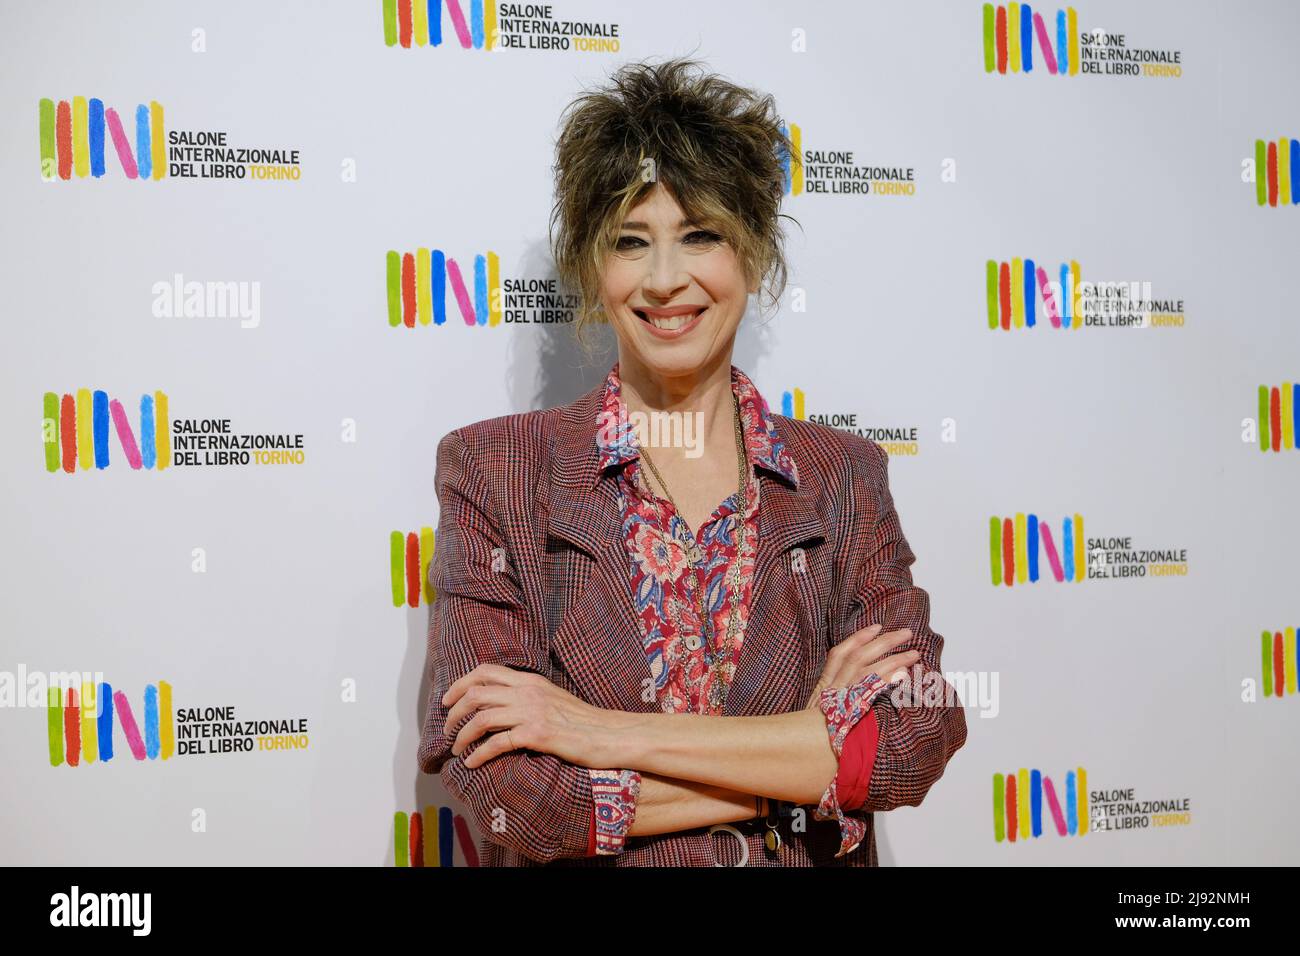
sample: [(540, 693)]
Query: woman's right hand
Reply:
[(860, 654)]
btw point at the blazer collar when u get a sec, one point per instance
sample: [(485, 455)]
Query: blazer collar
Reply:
[(584, 510)]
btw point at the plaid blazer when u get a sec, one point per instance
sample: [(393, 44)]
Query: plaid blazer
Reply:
[(530, 571)]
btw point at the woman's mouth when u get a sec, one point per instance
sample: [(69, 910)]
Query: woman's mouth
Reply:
[(671, 326)]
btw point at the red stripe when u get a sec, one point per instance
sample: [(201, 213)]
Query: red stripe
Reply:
[(404, 21), (416, 857), (413, 569), (1004, 290), (68, 427), (1273, 174), (408, 290), (1279, 672), (1001, 31), (1275, 419), (63, 133), (72, 729), (1011, 807), (1008, 552)]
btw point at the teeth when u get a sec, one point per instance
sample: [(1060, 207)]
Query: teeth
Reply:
[(676, 322)]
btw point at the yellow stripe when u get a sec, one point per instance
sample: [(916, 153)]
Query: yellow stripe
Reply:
[(1022, 803), (162, 430), (157, 141), (1022, 550), (166, 727), (426, 557), (1081, 795), (89, 728), (423, 297), (81, 136), (1080, 553), (494, 289), (85, 430), (1018, 293)]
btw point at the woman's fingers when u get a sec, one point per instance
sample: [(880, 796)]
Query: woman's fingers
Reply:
[(483, 674), (894, 667), (474, 698)]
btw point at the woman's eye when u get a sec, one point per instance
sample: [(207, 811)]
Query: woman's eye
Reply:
[(703, 237), (626, 243)]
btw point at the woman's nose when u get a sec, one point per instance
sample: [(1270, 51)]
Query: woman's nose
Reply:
[(665, 275)]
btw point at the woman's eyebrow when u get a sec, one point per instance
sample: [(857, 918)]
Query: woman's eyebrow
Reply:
[(642, 227)]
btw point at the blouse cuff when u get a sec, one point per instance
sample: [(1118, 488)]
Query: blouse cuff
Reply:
[(843, 708), (614, 794)]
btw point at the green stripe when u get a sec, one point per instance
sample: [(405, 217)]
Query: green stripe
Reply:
[(52, 433), (1261, 172), (1266, 647), (396, 555), (1264, 440), (401, 842), (394, 289), (990, 49), (999, 808), (55, 700), (991, 290), (995, 549), (48, 163), (390, 22)]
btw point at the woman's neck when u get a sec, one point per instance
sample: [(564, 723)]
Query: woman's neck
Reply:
[(705, 395)]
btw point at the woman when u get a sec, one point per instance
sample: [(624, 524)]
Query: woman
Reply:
[(702, 661)]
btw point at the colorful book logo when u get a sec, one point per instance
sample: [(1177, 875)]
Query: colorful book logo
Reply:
[(1018, 805), (409, 556), (1277, 172), (1279, 651), (83, 731), (72, 139), (420, 21), (75, 431), (793, 164), (1014, 289), (426, 840), (417, 289), (1279, 416), (792, 403), (1014, 549), (1009, 33)]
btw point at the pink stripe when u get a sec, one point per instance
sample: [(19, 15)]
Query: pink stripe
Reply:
[(1048, 56), (466, 841), (129, 727), (1049, 300), (1055, 807), (458, 22), (462, 294), (124, 434), (120, 142), (1052, 558)]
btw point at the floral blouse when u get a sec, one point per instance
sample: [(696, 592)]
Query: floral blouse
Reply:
[(668, 609)]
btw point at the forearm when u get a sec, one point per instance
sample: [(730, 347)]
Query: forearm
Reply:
[(667, 805), (783, 756)]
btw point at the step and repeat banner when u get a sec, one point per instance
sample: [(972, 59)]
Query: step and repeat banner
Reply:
[(258, 258)]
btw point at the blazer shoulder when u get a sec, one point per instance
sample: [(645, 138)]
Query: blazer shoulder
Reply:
[(519, 438), (835, 454)]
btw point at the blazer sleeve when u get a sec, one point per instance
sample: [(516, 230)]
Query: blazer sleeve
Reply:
[(918, 732), (533, 803)]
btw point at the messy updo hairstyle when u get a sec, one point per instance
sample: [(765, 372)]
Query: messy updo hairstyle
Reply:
[(720, 149)]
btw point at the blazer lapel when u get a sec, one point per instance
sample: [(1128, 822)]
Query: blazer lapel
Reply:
[(770, 670), (598, 632)]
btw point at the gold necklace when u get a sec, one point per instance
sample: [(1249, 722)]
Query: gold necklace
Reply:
[(694, 553)]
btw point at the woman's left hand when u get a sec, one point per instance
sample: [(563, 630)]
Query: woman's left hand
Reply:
[(527, 712)]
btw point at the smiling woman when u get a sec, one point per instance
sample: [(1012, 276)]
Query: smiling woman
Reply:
[(628, 662)]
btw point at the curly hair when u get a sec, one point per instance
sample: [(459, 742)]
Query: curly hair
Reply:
[(720, 149)]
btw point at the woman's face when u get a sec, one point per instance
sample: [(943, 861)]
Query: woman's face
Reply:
[(682, 274)]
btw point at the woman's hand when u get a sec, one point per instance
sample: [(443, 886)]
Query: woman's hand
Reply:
[(527, 712), (862, 653)]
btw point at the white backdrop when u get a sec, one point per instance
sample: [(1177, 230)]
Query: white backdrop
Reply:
[(266, 591)]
